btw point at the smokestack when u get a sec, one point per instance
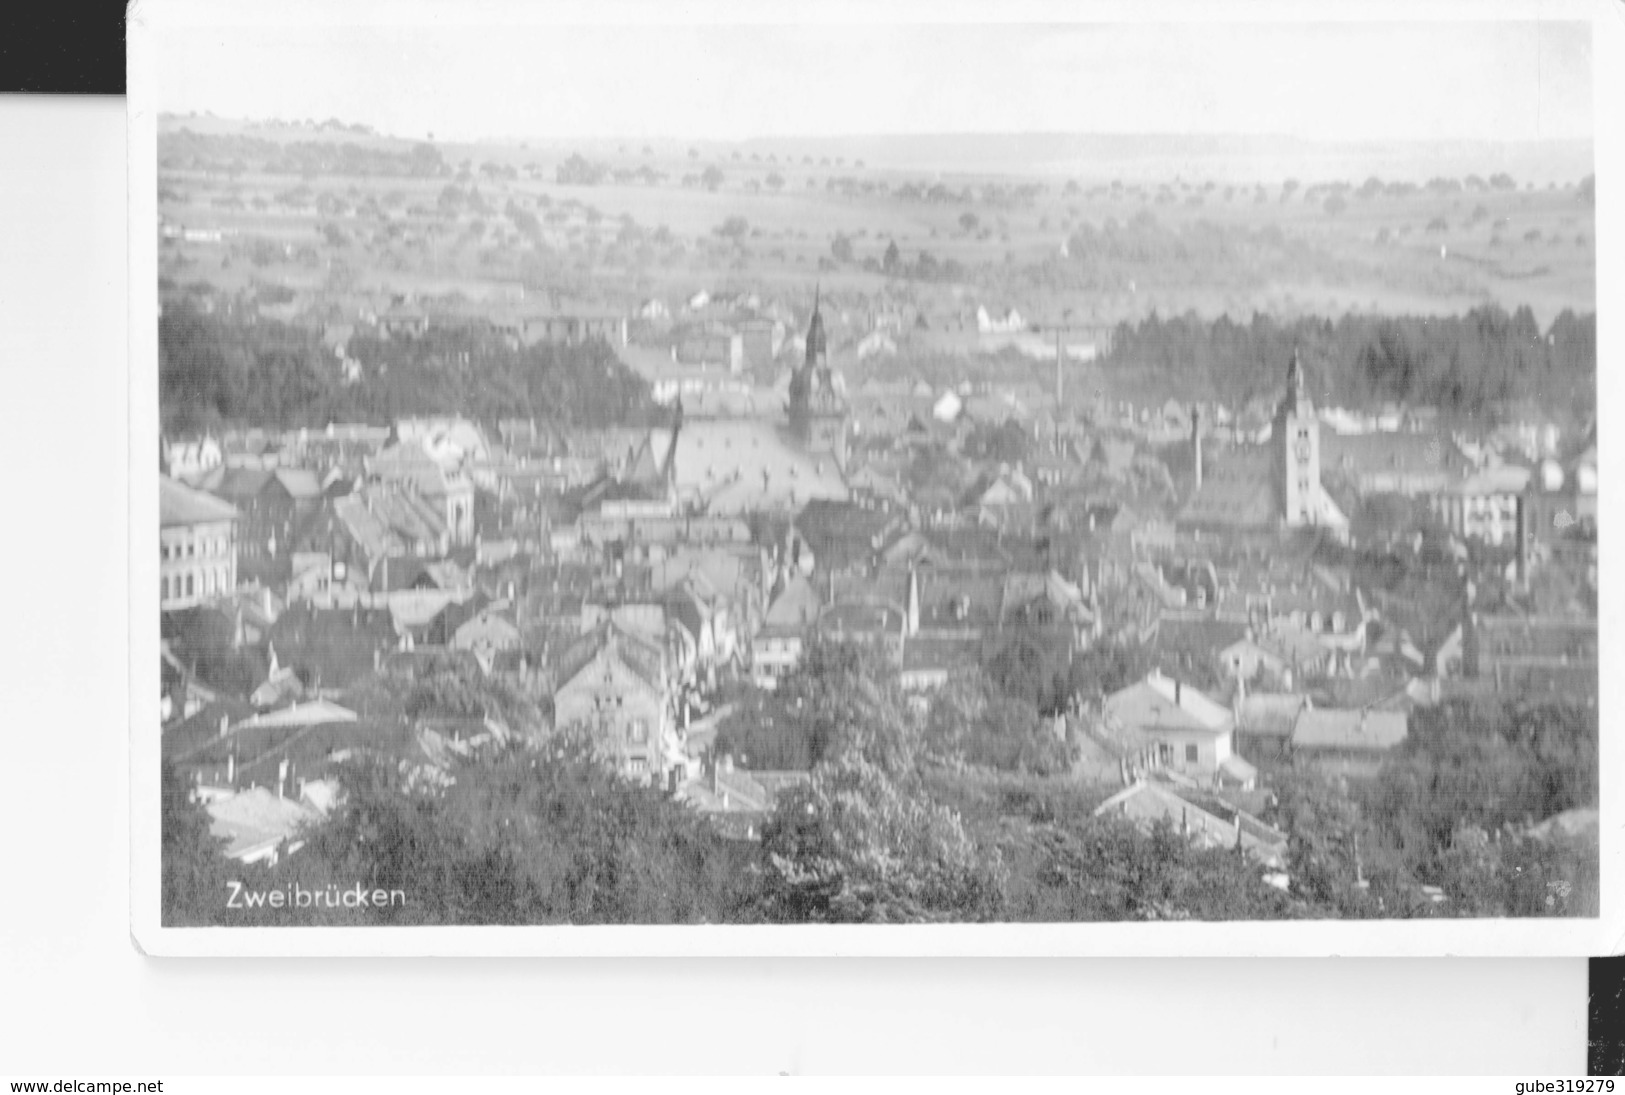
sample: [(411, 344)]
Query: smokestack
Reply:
[(1522, 529), (1060, 376), (1196, 443)]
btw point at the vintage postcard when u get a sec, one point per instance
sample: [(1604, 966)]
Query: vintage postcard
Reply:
[(758, 479)]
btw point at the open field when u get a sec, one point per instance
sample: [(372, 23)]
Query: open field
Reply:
[(494, 216)]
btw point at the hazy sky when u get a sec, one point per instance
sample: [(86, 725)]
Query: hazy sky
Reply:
[(1498, 80)]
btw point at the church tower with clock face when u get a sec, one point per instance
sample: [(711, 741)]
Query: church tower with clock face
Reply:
[(1297, 452)]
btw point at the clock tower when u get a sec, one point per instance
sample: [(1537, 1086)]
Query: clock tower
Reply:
[(1297, 452), (818, 411)]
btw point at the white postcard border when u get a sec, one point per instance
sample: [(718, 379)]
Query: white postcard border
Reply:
[(1388, 938)]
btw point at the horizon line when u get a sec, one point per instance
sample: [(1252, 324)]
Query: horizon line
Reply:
[(1216, 135)]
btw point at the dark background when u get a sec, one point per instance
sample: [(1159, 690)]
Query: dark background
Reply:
[(62, 47)]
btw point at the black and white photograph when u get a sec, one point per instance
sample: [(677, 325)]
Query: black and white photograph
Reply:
[(865, 481)]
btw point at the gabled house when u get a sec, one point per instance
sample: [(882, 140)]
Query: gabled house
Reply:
[(486, 634), (413, 467), (776, 648), (1160, 724), (260, 825), (1147, 804), (613, 684), (1350, 742)]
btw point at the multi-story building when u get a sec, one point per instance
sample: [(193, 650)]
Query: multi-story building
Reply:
[(1484, 506), (197, 546), (613, 684), (1162, 724), (449, 492)]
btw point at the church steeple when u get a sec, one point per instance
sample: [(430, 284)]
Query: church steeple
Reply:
[(1297, 451), (1294, 378), (817, 409)]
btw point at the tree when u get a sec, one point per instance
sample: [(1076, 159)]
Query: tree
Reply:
[(578, 171), (968, 221), (1332, 849), (527, 836), (775, 181), (855, 847), (734, 228), (1005, 442), (841, 248), (193, 891), (712, 178), (969, 720), (1107, 869), (892, 263), (456, 687)]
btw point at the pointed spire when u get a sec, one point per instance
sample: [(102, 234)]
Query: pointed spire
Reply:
[(1294, 375), (816, 346), (669, 466)]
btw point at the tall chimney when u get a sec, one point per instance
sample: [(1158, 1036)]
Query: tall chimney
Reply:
[(1060, 376), (1196, 443), (1522, 531)]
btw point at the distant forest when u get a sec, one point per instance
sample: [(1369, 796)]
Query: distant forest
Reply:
[(1476, 364), (237, 155), (217, 371)]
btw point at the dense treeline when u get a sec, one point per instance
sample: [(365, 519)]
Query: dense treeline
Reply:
[(1471, 364), (842, 692), (218, 371), (237, 154), (1451, 808), (919, 816)]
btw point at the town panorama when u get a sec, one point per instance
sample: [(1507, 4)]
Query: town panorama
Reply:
[(770, 532)]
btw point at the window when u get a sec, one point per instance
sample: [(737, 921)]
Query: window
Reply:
[(165, 587), (188, 585), (639, 732), (1191, 754)]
